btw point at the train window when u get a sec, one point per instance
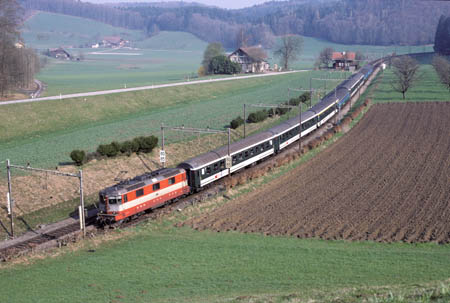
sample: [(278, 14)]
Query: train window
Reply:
[(208, 170), (172, 181), (139, 192), (234, 159), (246, 154), (222, 164), (216, 166), (125, 198), (112, 200), (203, 171), (156, 186), (240, 156), (252, 151)]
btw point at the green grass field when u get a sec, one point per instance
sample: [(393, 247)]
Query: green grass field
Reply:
[(428, 88), (161, 263), (51, 130)]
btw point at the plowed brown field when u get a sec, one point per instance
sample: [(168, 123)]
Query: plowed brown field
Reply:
[(387, 180)]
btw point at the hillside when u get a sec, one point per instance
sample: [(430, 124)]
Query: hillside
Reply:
[(48, 30), (383, 22)]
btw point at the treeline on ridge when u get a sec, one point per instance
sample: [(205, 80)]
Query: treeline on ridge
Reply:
[(381, 22)]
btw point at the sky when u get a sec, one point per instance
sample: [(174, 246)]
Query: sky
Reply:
[(220, 3)]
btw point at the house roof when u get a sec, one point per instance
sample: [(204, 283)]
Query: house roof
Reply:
[(112, 39), (255, 52), (349, 56)]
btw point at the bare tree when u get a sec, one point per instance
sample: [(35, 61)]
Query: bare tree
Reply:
[(242, 38), (405, 70), (325, 57), (442, 67), (289, 49)]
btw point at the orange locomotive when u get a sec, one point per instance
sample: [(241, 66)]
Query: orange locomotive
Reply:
[(144, 192)]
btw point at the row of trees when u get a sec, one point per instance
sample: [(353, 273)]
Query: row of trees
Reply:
[(137, 145), (18, 64), (442, 67)]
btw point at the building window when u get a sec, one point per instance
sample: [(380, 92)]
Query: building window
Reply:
[(156, 186), (140, 192)]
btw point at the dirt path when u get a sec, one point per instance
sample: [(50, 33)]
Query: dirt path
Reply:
[(387, 180)]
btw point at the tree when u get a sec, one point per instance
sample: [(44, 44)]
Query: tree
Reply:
[(18, 64), (405, 70), (289, 49), (442, 67), (222, 65), (359, 57), (442, 37), (213, 50), (325, 57)]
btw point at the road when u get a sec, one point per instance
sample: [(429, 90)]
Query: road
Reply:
[(124, 90)]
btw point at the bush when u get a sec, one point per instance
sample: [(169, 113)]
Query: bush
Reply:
[(108, 150), (146, 144), (129, 147), (258, 116), (78, 156), (235, 123), (222, 65)]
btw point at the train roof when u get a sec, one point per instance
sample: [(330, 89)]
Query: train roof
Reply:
[(366, 69), (351, 81), (141, 181), (221, 152), (292, 122), (324, 103)]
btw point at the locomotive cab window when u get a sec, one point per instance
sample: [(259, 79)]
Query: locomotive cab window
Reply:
[(139, 192), (125, 198), (156, 186), (172, 181), (115, 200)]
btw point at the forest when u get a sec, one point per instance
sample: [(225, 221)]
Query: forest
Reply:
[(372, 22)]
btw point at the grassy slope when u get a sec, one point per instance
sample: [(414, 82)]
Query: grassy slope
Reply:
[(51, 130), (313, 46), (160, 263), (170, 56)]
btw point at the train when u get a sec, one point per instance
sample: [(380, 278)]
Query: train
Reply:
[(130, 198)]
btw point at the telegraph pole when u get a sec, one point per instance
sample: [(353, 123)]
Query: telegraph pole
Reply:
[(53, 172), (10, 198), (198, 131)]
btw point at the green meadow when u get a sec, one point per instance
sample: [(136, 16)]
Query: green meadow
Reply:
[(50, 130), (157, 262), (427, 88)]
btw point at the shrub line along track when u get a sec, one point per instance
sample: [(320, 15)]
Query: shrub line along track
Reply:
[(63, 232)]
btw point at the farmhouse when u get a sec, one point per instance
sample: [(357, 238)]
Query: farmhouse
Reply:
[(344, 60), (252, 59), (58, 53), (113, 42)]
